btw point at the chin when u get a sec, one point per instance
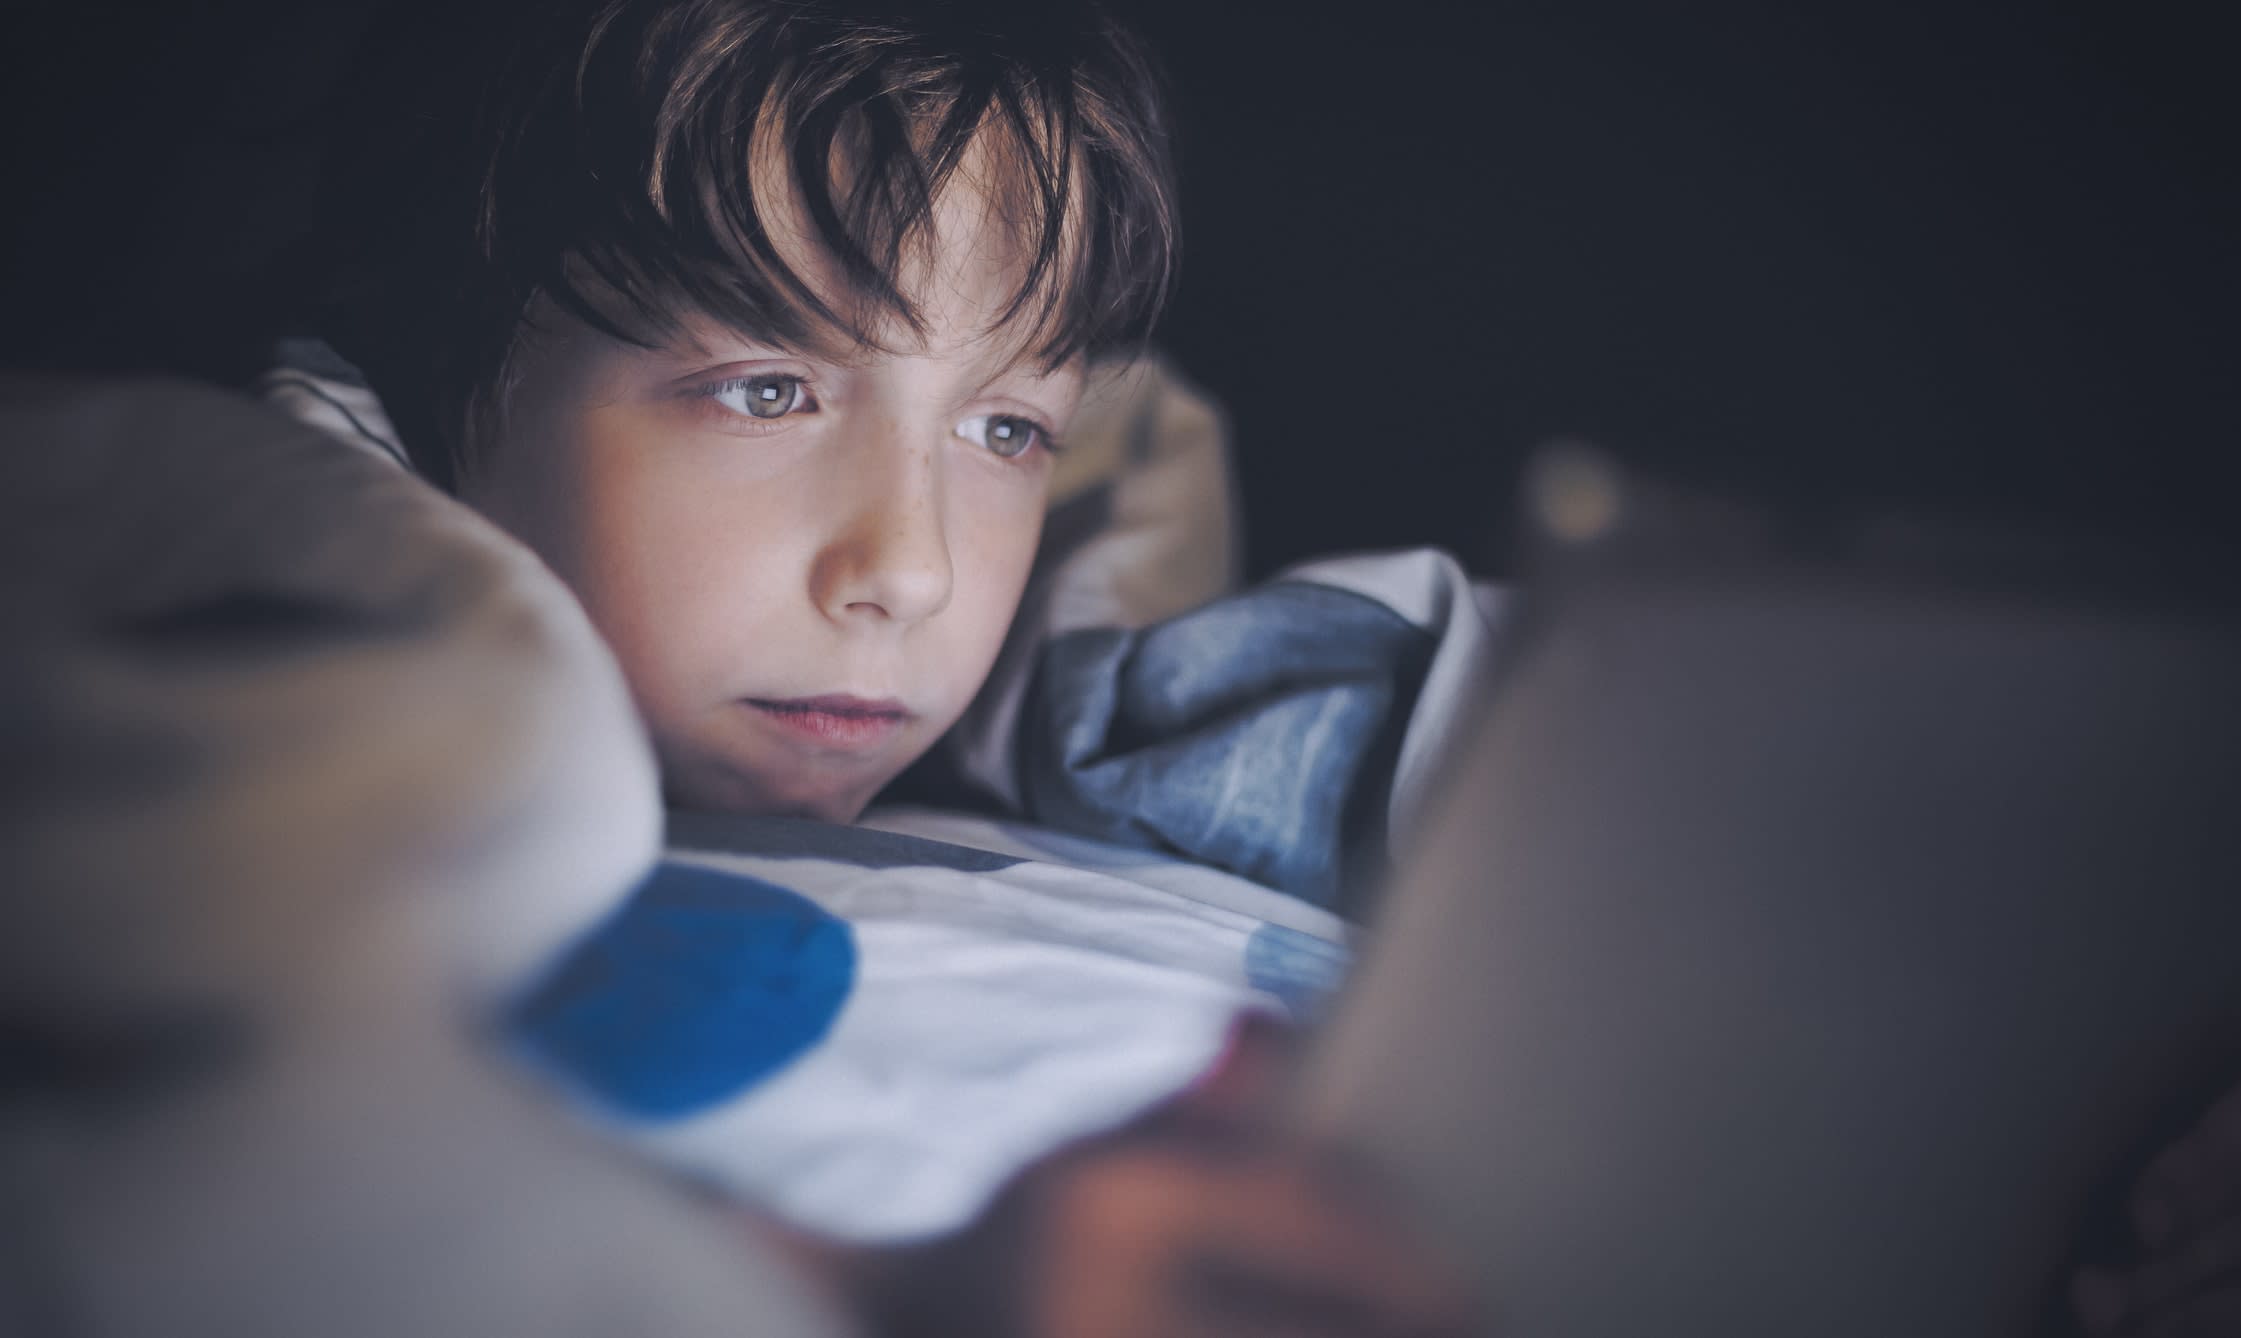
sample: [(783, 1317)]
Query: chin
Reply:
[(714, 787), (840, 810)]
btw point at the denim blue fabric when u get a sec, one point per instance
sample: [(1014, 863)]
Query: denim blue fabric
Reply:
[(1300, 969), (701, 986), (1237, 735)]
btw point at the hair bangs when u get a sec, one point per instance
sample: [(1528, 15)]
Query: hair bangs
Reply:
[(781, 169)]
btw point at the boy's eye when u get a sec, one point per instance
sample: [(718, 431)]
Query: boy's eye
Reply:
[(769, 396), (1006, 434)]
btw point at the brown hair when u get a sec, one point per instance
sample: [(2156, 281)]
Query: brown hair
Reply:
[(613, 164)]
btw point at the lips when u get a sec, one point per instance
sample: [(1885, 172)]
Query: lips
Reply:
[(837, 720)]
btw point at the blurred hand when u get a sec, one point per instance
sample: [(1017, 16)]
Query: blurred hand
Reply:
[(2186, 1222), (1196, 1218)]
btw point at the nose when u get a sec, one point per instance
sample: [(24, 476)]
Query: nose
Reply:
[(887, 557)]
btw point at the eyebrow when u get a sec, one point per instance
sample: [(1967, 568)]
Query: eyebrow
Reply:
[(712, 329), (841, 350)]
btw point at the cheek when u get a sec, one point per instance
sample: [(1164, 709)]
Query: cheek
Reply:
[(670, 569), (993, 555)]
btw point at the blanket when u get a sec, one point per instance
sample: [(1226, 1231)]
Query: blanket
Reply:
[(868, 1029)]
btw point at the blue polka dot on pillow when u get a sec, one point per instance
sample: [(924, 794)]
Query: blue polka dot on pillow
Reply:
[(704, 984)]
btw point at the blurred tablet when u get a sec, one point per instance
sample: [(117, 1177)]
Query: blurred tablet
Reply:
[(1816, 929)]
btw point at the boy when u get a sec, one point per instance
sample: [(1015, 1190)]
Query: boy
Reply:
[(761, 325), (762, 330)]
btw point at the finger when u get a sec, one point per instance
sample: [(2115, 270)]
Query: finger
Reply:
[(1250, 1072), (1331, 1238), (1249, 1245)]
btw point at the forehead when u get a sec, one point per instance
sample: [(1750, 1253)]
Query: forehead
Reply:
[(966, 273)]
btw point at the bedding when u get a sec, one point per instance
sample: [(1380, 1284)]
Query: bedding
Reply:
[(867, 1029), (307, 763)]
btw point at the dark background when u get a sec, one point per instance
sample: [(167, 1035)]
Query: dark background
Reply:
[(1981, 256)]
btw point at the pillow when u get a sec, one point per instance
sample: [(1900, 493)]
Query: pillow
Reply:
[(303, 757), (1143, 524), (385, 691)]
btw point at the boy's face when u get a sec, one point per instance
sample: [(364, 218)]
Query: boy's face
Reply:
[(805, 563)]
